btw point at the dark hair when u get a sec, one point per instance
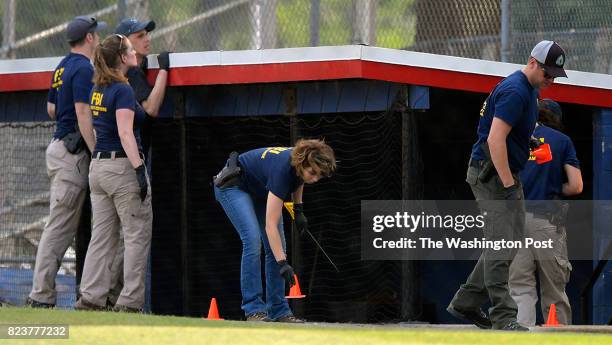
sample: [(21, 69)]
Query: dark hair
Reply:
[(78, 42), (107, 58), (313, 153), (548, 118)]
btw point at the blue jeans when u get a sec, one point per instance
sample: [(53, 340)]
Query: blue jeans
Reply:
[(249, 218)]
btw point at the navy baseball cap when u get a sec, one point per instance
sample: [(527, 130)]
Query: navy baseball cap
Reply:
[(81, 26), (129, 26), (551, 56), (552, 106)]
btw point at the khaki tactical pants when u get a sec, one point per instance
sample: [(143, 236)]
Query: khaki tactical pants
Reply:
[(116, 204), (553, 269), (68, 173)]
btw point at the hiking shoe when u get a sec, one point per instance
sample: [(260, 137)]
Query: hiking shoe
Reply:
[(477, 317), (35, 304), (289, 319), (514, 326), (125, 309), (109, 304), (259, 316), (82, 304)]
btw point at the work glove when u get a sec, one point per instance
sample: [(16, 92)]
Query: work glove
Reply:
[(141, 176), (286, 272), (163, 60), (512, 195), (301, 223)]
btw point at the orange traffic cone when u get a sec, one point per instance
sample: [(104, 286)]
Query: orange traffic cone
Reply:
[(213, 312), (295, 291), (552, 317)]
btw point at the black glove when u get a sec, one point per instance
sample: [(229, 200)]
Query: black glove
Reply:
[(163, 59), (286, 272), (141, 176), (512, 193), (301, 223)]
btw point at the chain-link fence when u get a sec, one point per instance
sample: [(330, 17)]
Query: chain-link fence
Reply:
[(467, 28)]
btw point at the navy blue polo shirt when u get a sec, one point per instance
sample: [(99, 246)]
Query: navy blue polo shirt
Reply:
[(269, 169), (104, 103), (514, 101), (138, 80), (71, 83), (544, 181)]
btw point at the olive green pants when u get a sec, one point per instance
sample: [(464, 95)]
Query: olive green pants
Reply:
[(489, 278)]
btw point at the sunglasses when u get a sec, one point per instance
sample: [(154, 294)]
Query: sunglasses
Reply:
[(121, 37), (546, 75)]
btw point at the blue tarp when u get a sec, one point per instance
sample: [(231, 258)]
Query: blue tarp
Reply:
[(15, 285)]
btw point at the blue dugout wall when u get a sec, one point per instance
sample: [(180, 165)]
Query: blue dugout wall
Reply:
[(444, 122)]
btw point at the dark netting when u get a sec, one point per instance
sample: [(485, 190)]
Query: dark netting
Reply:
[(368, 150), (368, 147), (166, 261), (214, 248)]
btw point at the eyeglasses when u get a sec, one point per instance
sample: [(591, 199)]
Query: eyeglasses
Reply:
[(121, 37), (546, 75)]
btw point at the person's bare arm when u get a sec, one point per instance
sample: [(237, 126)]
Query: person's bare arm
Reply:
[(499, 152), (85, 124), (573, 185), (152, 104), (51, 110), (125, 126), (274, 207)]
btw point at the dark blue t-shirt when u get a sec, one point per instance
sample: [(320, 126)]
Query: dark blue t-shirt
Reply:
[(104, 103), (269, 169), (71, 83), (514, 101), (544, 181)]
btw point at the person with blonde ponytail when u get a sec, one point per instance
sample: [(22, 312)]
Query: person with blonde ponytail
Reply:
[(251, 188), (120, 192)]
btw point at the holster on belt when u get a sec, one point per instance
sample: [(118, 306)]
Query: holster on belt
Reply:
[(487, 170), (229, 176), (74, 142), (558, 218)]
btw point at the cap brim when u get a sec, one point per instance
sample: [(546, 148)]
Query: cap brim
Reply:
[(101, 26), (150, 26), (555, 71)]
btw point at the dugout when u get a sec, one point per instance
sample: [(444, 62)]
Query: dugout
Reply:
[(402, 124)]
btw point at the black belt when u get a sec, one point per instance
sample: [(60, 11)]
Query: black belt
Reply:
[(478, 163), (108, 154)]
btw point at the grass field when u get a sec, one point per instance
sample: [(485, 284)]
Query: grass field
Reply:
[(118, 328)]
